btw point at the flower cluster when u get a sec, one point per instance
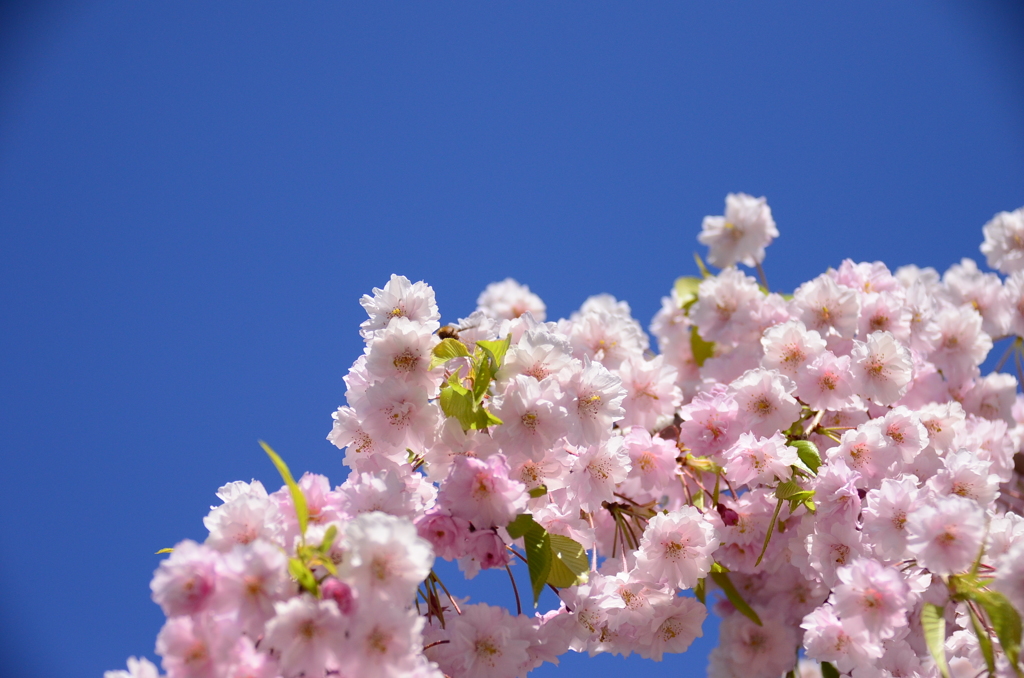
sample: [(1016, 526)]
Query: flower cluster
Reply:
[(269, 594), (829, 471)]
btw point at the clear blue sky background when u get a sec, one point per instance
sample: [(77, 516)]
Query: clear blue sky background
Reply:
[(194, 195)]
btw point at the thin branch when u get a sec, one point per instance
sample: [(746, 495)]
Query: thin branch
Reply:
[(1006, 355), (523, 558), (815, 422), (762, 276), (435, 644), (1020, 373), (445, 589), (729, 485), (686, 488), (515, 589), (615, 539)]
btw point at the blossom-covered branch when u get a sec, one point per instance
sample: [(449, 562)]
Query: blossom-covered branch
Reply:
[(828, 471)]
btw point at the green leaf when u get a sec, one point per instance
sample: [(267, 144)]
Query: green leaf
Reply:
[(538, 561), (984, 642), (329, 537), (303, 575), (724, 583), (163, 551), (458, 405), (801, 498), (771, 527), (702, 350), (328, 565), (700, 265), (829, 671), (538, 491), (1005, 622), (457, 401), (788, 489), (700, 590), (569, 565), (482, 376), (686, 291), (933, 623), (298, 499), (964, 585), (446, 350), (550, 558), (496, 350), (522, 524), (698, 500), (538, 558), (701, 463), (809, 455), (488, 419), (796, 495)]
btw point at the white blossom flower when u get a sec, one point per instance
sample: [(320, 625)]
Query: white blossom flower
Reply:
[(137, 668), (487, 642), (742, 234), (872, 596), (388, 557), (882, 367), (1004, 241), (594, 401), (826, 307), (790, 347), (946, 534), (508, 299), (676, 548), (399, 299), (306, 635), (765, 400)]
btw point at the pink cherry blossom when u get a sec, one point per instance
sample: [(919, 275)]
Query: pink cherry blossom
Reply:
[(508, 299), (306, 636), (388, 558), (534, 418), (826, 638), (742, 234), (137, 668), (187, 581), (872, 596), (790, 346), (710, 422), (946, 533), (675, 625), (760, 459), (399, 299), (882, 368), (596, 472), (826, 307), (593, 400), (765, 401), (487, 642), (402, 351), (676, 548), (885, 516), (481, 492), (757, 651), (651, 392), (1004, 241)]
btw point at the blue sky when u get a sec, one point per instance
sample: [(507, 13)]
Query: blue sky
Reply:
[(193, 196)]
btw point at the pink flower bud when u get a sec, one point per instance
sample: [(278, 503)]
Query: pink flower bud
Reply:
[(341, 593)]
